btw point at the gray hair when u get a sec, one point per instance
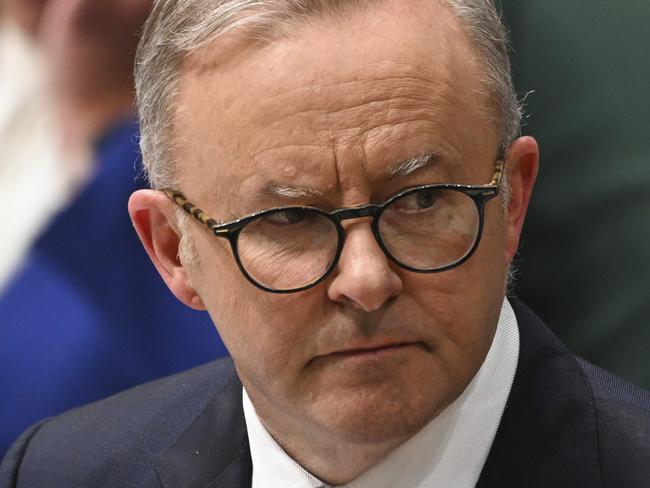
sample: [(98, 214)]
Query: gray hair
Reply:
[(176, 28)]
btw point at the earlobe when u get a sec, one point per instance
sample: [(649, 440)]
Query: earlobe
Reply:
[(522, 164), (153, 217)]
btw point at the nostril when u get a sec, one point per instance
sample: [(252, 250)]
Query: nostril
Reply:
[(370, 298)]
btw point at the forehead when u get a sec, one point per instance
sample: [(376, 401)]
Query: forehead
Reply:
[(335, 102)]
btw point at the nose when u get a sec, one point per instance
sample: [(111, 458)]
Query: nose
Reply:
[(364, 276)]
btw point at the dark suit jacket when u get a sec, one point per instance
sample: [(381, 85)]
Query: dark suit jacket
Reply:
[(567, 424)]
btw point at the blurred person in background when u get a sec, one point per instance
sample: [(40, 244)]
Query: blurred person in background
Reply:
[(30, 131), (585, 260), (79, 302)]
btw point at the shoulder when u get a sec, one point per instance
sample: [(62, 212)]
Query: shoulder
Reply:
[(571, 417), (118, 438), (623, 426)]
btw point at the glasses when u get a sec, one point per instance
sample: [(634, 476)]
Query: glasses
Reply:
[(425, 229)]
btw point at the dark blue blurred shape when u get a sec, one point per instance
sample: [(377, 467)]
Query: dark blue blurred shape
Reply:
[(88, 315)]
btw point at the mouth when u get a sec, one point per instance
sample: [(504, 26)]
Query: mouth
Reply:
[(375, 352)]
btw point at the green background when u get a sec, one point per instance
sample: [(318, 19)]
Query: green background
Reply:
[(584, 260)]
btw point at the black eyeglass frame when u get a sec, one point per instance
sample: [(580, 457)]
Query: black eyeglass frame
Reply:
[(480, 194)]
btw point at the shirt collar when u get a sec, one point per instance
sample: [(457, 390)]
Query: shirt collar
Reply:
[(449, 451), (272, 467)]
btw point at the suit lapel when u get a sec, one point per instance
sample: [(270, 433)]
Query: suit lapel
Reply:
[(547, 436), (213, 451)]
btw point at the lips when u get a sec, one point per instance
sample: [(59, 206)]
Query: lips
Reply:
[(373, 350)]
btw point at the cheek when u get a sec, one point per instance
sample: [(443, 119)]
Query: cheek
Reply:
[(478, 280), (461, 321), (271, 339), (465, 301), (459, 307), (269, 335)]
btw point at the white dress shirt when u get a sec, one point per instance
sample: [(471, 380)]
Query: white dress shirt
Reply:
[(449, 452)]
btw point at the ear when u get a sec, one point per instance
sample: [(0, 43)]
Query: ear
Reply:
[(522, 163), (154, 219)]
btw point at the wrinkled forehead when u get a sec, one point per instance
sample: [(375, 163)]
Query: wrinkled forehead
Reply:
[(395, 76)]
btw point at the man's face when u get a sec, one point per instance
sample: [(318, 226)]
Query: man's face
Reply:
[(375, 352)]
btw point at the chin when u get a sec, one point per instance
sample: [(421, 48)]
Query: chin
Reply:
[(374, 416)]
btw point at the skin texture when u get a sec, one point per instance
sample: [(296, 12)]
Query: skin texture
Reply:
[(331, 108)]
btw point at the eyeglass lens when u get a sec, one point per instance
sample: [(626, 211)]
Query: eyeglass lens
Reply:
[(288, 249), (430, 228), (424, 230)]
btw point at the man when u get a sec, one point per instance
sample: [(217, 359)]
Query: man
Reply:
[(350, 160)]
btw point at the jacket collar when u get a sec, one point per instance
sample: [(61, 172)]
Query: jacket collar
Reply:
[(547, 435), (213, 451)]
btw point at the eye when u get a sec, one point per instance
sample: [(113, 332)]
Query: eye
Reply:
[(426, 198), (420, 200), (287, 217)]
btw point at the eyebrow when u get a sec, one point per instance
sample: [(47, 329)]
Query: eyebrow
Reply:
[(413, 164), (290, 191), (401, 168)]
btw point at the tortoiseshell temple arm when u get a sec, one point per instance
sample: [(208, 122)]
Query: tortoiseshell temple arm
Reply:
[(180, 200), (498, 173)]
